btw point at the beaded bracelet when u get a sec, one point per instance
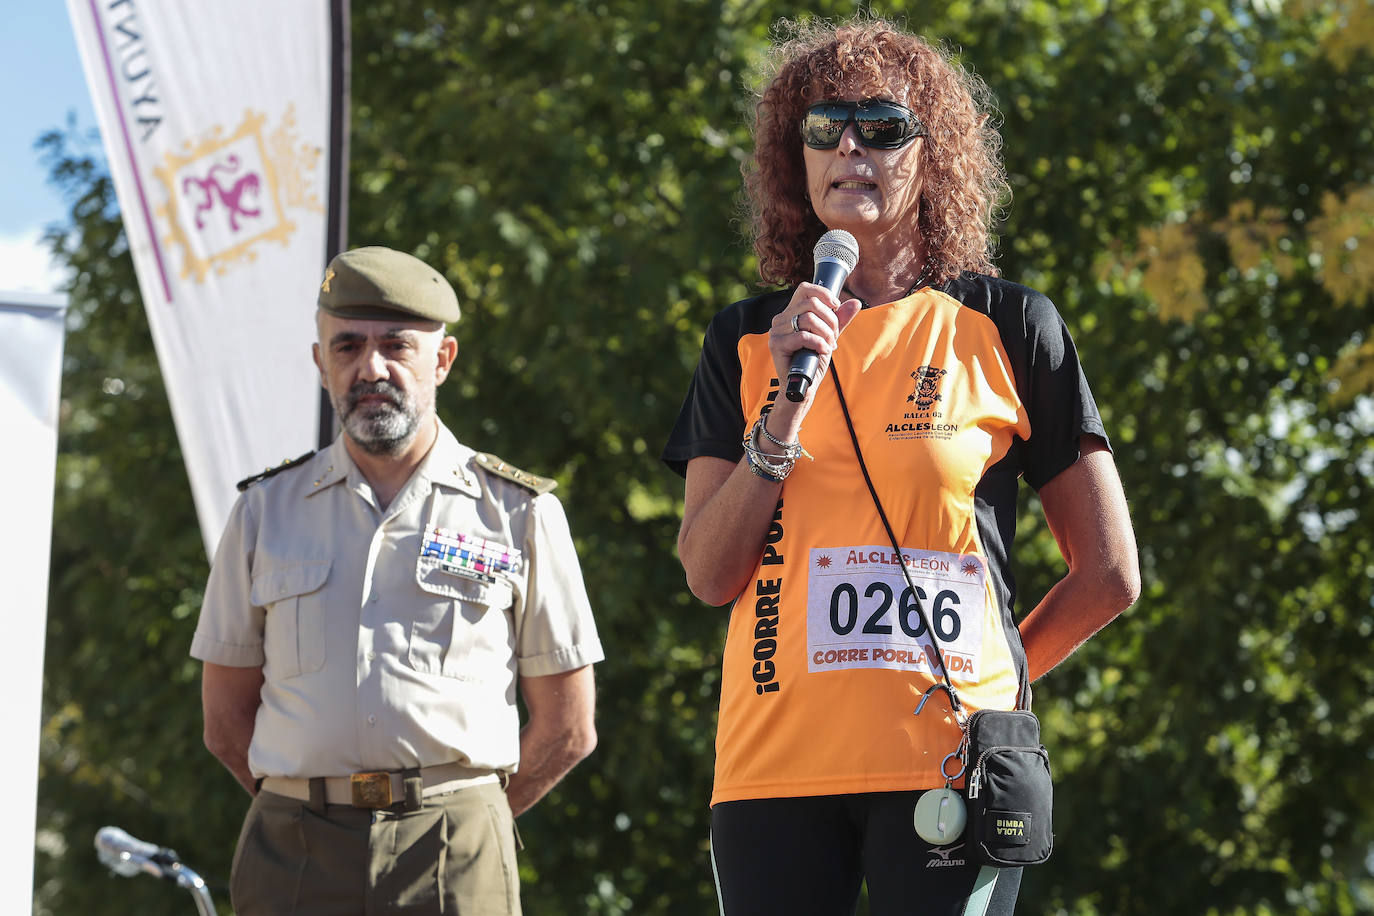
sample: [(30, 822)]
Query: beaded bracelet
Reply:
[(770, 476), (771, 466)]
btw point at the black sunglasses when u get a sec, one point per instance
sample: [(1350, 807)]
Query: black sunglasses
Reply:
[(880, 124)]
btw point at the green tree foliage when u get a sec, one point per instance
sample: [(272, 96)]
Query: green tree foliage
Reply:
[(1191, 186)]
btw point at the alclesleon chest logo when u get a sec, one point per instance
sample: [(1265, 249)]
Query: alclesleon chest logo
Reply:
[(924, 421), (927, 390)]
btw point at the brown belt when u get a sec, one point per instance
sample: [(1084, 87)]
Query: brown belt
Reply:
[(382, 788)]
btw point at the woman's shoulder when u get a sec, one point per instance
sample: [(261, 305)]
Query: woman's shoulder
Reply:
[(1018, 311), (750, 316), (988, 294)]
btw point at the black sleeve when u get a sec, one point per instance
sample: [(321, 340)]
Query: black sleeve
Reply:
[(1056, 395), (711, 422)]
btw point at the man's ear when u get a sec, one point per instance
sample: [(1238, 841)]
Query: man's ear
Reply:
[(448, 352), (319, 363)]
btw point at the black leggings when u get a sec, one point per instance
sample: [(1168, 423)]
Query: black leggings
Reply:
[(808, 857)]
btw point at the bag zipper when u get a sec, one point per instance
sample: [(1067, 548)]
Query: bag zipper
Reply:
[(975, 778)]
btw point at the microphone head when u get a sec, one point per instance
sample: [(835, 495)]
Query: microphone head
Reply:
[(840, 246)]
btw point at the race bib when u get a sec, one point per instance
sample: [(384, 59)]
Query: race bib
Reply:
[(860, 612)]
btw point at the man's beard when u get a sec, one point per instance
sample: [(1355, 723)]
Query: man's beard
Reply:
[(378, 428)]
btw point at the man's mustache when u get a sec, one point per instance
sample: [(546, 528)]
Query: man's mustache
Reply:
[(367, 389)]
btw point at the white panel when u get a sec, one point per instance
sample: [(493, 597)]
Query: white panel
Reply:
[(31, 335)]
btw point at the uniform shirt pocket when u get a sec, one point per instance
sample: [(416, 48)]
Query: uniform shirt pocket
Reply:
[(293, 636), (462, 628)]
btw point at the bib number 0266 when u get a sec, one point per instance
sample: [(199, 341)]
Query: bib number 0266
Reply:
[(845, 611), (861, 613)]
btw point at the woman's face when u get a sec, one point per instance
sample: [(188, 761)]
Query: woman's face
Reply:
[(865, 191)]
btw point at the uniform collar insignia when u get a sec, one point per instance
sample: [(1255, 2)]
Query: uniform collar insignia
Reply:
[(331, 466), (449, 464)]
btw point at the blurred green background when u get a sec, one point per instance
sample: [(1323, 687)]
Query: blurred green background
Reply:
[(1192, 184)]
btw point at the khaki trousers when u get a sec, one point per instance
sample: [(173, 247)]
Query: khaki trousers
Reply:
[(453, 855)]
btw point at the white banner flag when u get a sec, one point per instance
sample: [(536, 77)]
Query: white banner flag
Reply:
[(31, 337), (216, 120)]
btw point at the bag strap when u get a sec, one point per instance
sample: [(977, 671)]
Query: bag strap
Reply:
[(981, 896), (948, 685)]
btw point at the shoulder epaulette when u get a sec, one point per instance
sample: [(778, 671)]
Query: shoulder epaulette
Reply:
[(247, 482), (539, 485)]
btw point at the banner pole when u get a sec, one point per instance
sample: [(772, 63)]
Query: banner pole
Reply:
[(336, 220)]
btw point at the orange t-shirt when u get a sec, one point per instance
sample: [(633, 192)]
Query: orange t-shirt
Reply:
[(954, 394)]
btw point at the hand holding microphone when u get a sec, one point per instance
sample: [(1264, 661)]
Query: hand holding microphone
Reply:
[(836, 255)]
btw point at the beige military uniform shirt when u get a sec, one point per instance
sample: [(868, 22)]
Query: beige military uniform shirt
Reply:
[(393, 638)]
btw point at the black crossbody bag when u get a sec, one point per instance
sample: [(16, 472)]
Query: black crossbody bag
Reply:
[(1007, 783)]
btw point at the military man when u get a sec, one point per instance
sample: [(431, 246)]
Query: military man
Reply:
[(370, 614)]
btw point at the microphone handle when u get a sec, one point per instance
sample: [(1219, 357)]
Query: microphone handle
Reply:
[(805, 362), (831, 274)]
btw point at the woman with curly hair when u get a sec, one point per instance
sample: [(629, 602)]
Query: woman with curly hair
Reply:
[(851, 519)]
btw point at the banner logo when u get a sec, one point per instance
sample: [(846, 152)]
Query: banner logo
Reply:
[(214, 192), (228, 194)]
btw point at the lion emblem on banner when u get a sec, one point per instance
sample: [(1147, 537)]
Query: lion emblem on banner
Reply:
[(213, 191), (228, 193)]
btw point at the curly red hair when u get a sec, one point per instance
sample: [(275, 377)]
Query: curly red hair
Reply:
[(964, 182)]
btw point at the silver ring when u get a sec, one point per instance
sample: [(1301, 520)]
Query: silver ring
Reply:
[(795, 328)]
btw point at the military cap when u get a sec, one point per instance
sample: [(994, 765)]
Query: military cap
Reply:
[(381, 283)]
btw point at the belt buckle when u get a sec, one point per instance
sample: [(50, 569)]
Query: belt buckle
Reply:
[(371, 790)]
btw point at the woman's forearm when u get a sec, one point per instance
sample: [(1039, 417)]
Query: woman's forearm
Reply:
[(723, 537)]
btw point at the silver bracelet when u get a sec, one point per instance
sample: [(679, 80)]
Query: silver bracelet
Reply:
[(789, 449), (778, 467), (774, 468)]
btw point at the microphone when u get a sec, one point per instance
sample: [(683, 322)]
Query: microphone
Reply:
[(835, 254), (126, 856)]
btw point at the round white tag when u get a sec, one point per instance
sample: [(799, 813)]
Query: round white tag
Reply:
[(940, 816)]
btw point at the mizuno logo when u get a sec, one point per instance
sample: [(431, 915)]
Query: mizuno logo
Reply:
[(940, 857)]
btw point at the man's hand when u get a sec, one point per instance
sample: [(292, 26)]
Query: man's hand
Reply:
[(560, 732), (229, 698)]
